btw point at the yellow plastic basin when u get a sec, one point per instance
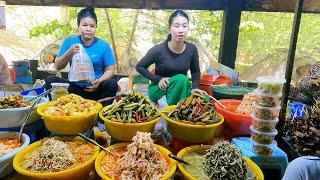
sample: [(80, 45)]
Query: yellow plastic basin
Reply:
[(126, 131), (199, 148), (163, 150), (190, 132), (78, 172), (67, 125)]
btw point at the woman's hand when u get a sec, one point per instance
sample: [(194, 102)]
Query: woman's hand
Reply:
[(74, 49), (199, 91), (163, 83), (95, 85)]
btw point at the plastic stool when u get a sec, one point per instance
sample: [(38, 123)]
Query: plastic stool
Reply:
[(277, 161)]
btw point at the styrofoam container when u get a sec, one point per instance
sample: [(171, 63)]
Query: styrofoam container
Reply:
[(264, 125), (270, 85), (262, 137), (263, 149), (266, 113), (267, 100), (6, 166), (14, 117)]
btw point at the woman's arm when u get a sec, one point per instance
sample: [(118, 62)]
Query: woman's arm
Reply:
[(142, 66), (62, 61), (108, 73)]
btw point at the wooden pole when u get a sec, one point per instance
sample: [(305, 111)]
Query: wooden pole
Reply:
[(230, 32), (290, 62), (112, 39)]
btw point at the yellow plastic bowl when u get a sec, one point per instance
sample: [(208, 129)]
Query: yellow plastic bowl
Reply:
[(163, 150), (198, 148), (67, 125), (126, 131), (190, 132), (78, 172)]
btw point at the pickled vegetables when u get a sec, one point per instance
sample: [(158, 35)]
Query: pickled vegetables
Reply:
[(195, 109), (133, 108), (13, 101)]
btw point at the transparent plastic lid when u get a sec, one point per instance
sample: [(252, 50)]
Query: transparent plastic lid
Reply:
[(269, 79), (273, 144), (259, 93), (254, 118), (273, 133), (277, 108)]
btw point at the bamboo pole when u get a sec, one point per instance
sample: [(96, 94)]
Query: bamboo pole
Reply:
[(112, 39)]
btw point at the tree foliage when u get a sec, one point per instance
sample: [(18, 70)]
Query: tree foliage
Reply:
[(261, 33)]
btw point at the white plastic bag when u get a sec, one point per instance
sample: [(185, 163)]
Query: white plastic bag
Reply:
[(81, 67)]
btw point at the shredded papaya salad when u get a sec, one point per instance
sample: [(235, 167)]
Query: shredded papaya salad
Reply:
[(141, 160), (70, 105)]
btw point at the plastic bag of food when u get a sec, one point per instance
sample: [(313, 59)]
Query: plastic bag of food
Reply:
[(81, 67)]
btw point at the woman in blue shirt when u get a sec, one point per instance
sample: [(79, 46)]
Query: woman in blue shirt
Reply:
[(100, 55)]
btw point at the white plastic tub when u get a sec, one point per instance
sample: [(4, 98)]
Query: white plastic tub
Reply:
[(6, 167), (14, 117)]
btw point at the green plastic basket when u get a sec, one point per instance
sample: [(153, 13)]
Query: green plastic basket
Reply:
[(139, 79)]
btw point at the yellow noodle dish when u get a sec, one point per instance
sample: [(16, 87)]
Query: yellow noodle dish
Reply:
[(65, 157)]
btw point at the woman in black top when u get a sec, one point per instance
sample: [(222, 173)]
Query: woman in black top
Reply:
[(173, 59)]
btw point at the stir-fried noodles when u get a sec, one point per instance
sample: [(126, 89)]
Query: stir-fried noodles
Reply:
[(57, 154), (141, 160)]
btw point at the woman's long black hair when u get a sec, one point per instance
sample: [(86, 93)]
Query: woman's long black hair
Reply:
[(176, 13), (87, 12)]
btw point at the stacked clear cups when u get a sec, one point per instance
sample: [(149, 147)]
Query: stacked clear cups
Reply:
[(266, 114), (58, 90)]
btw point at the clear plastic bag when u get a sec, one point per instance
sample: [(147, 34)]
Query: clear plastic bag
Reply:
[(81, 67)]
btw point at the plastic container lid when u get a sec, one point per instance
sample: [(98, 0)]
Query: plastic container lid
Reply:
[(277, 108), (273, 133), (60, 84), (259, 93), (269, 79), (263, 149), (272, 145), (273, 121)]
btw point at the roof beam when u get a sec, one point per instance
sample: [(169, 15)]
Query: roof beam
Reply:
[(310, 6), (134, 4)]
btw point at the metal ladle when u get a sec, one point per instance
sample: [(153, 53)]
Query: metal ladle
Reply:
[(95, 143), (37, 99), (178, 159)]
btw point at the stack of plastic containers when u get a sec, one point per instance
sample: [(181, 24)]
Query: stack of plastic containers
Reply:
[(266, 114)]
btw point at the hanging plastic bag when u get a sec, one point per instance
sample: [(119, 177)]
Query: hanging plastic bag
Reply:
[(81, 67)]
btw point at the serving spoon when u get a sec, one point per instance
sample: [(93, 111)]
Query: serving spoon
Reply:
[(224, 107), (178, 159), (36, 100), (95, 143)]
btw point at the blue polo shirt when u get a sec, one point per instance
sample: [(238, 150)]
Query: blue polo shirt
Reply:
[(99, 51)]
